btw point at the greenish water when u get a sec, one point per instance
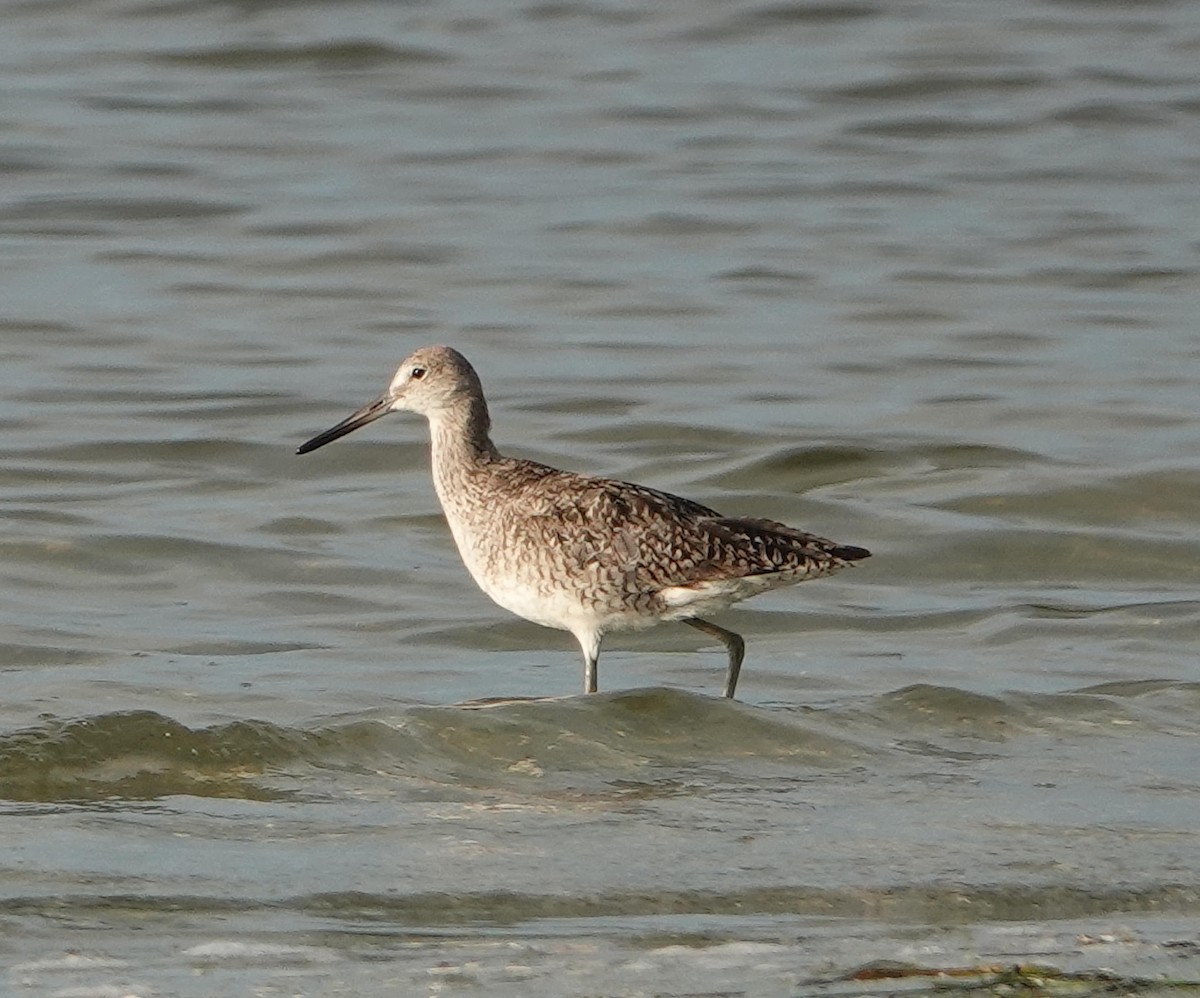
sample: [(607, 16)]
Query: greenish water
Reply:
[(918, 280)]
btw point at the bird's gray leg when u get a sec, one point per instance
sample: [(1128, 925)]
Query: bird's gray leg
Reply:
[(590, 681), (733, 644), (590, 643)]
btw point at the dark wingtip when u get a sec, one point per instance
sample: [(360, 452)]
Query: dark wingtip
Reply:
[(848, 553)]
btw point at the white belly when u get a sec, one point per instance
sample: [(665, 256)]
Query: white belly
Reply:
[(500, 580), (557, 610)]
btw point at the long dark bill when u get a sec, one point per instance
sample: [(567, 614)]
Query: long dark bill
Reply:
[(367, 414)]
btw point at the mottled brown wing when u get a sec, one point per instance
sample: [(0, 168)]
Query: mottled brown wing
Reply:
[(605, 501), (655, 539), (648, 537), (744, 546), (772, 529)]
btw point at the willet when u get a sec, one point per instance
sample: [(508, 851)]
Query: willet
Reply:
[(581, 554)]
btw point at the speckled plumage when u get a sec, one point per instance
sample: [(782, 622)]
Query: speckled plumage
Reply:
[(585, 555)]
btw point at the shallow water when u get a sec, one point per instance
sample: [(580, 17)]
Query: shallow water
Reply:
[(916, 279)]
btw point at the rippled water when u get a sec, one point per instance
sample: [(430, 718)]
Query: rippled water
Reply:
[(918, 277)]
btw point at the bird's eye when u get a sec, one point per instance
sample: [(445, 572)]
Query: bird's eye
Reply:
[(417, 373)]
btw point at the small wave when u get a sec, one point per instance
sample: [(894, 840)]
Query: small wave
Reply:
[(642, 742), (141, 755), (577, 742), (340, 54), (909, 904)]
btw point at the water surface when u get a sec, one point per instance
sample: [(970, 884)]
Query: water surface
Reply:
[(917, 278)]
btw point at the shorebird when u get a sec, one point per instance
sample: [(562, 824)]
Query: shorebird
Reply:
[(582, 554)]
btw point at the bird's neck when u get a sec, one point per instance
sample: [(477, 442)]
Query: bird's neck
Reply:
[(461, 446)]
